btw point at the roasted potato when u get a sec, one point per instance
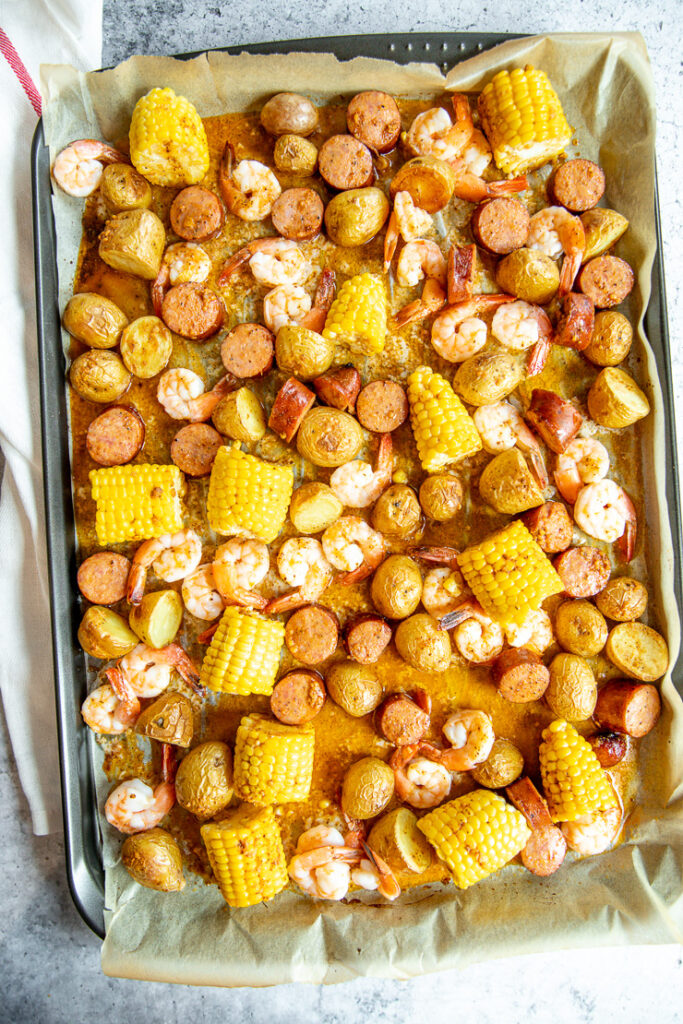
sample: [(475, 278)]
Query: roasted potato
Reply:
[(314, 507), (328, 437), (124, 188), (99, 376), (397, 840), (303, 353), (602, 228), (504, 764), (153, 859), (441, 496), (396, 587), (367, 788), (615, 400), (295, 155), (94, 320), (422, 644), (623, 599), (157, 618), (104, 634), (580, 628), (146, 346), (572, 691), (289, 113), (508, 485), (355, 216), (429, 181), (487, 377), (611, 339), (354, 687), (638, 651), (240, 416), (203, 783), (134, 241), (397, 512), (530, 275), (168, 720)]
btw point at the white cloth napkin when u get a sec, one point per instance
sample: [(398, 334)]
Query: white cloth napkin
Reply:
[(41, 31)]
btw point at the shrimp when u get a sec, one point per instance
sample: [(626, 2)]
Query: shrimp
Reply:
[(535, 632), (350, 544), (477, 637), (291, 304), (594, 833), (172, 557), (78, 168), (249, 189), (604, 511), (437, 555), (301, 562), (438, 600), (239, 565), (182, 395), (105, 714), (473, 189), (183, 262), (458, 332), (519, 325), (323, 870), (501, 427), (471, 736), (432, 132), (374, 873), (477, 155), (407, 220), (200, 596), (419, 781), (554, 231), (357, 485), (136, 807), (272, 261), (148, 671), (418, 260), (584, 461), (432, 299)]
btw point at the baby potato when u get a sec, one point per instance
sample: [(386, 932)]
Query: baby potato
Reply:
[(504, 764), (289, 113), (615, 400), (240, 416), (157, 618), (429, 181), (602, 228), (397, 512), (124, 188), (580, 628), (422, 644), (203, 783), (296, 155), (94, 320), (355, 216), (314, 507), (304, 354), (441, 496), (396, 587), (397, 840), (99, 376), (168, 720), (486, 377), (104, 634), (134, 241), (146, 346), (354, 687), (508, 485), (153, 859), (638, 651), (623, 599), (611, 339), (572, 691), (367, 788), (530, 275), (328, 437)]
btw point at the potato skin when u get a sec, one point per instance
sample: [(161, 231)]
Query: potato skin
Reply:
[(580, 628), (354, 687), (314, 507), (507, 484), (153, 859), (397, 512), (168, 720), (355, 216), (98, 375), (572, 692), (615, 400), (504, 764), (134, 241), (289, 113), (240, 416), (638, 651), (94, 320), (295, 154), (124, 188), (104, 634), (611, 339), (529, 275), (367, 788), (422, 644), (623, 599), (441, 496), (487, 377), (430, 182), (204, 780), (398, 841), (602, 228), (146, 346), (396, 587), (328, 437), (303, 353)]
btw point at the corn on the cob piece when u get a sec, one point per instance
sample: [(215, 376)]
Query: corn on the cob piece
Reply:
[(244, 653), (168, 143), (575, 784), (509, 574), (247, 494), (475, 835), (444, 432), (137, 502), (246, 855), (523, 120), (273, 763), (358, 315)]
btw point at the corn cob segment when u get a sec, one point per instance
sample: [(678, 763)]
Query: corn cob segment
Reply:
[(475, 835), (246, 855), (244, 654), (248, 495), (137, 502), (509, 574), (273, 763), (358, 315), (168, 143), (522, 118), (575, 784), (444, 431)]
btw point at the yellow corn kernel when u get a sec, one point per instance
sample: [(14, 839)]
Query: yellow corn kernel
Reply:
[(523, 120), (137, 502), (444, 431), (246, 855), (244, 654), (273, 763), (358, 315), (575, 784), (475, 835), (248, 495), (168, 143)]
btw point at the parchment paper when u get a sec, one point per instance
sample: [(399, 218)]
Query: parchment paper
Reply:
[(632, 894)]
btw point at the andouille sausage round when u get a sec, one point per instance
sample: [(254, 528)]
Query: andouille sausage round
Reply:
[(103, 577), (628, 707), (248, 350), (193, 311), (339, 387), (578, 185), (584, 571), (297, 214), (196, 214), (550, 525), (374, 119), (366, 637), (115, 436), (519, 675), (194, 448), (382, 406), (312, 634), (345, 163), (575, 327), (554, 418), (298, 696), (606, 280), (401, 721), (291, 404), (609, 747), (500, 225)]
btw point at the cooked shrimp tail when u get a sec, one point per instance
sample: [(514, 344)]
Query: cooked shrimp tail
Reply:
[(538, 356), (160, 287), (626, 544), (432, 299), (387, 884), (473, 189), (460, 273), (315, 319), (169, 762), (128, 710), (206, 636), (390, 240), (437, 555)]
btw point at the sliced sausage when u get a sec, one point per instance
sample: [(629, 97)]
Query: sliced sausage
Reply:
[(606, 280), (196, 214), (248, 350), (577, 185), (366, 637), (401, 721), (374, 119), (556, 420), (523, 795), (628, 707), (575, 327), (102, 578), (339, 388), (345, 163), (195, 447), (550, 525), (291, 404), (298, 697), (501, 225), (382, 406), (584, 571), (609, 747), (297, 213), (115, 436), (462, 262), (312, 634), (193, 311), (520, 675), (545, 851)]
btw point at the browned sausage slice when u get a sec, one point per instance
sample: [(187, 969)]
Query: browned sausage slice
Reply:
[(196, 214), (606, 280), (501, 225), (462, 262), (584, 571), (193, 311), (529, 802), (115, 436), (248, 350), (382, 406), (545, 851), (609, 747), (366, 637), (575, 327), (374, 119), (339, 387), (520, 675), (401, 721), (312, 634), (345, 163), (102, 578), (550, 525), (195, 447), (556, 420), (577, 185), (628, 707), (297, 213), (291, 404), (298, 697)]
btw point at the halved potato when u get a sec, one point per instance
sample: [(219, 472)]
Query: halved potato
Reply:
[(615, 400), (638, 651), (146, 346), (240, 416), (430, 182), (157, 618), (314, 507), (133, 241), (104, 634), (397, 840)]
